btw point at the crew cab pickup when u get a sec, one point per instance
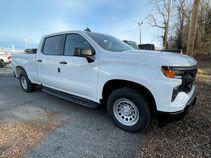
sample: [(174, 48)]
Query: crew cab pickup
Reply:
[(95, 69)]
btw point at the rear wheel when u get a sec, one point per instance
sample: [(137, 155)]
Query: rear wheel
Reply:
[(129, 110), (26, 83)]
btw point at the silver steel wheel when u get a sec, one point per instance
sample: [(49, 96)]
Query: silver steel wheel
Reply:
[(24, 82), (126, 112)]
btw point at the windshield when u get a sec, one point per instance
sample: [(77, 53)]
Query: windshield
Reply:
[(109, 43)]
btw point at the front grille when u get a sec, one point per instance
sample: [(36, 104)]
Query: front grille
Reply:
[(188, 75)]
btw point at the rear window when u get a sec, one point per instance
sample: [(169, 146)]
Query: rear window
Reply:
[(54, 45)]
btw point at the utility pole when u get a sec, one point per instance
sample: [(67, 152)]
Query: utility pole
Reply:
[(193, 27), (167, 25), (140, 30)]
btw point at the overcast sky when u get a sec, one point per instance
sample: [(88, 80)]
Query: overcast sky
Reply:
[(35, 18)]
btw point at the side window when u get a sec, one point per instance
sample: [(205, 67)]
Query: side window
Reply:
[(54, 45), (74, 41)]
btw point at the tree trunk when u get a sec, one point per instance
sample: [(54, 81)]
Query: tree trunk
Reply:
[(193, 27), (167, 25)]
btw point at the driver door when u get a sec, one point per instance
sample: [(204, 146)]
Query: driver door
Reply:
[(78, 76)]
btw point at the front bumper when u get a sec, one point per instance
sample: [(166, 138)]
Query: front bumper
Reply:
[(175, 116)]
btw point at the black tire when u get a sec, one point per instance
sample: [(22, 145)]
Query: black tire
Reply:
[(2, 64), (29, 86), (134, 96)]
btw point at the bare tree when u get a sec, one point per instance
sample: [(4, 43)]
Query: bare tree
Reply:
[(186, 29), (180, 9), (201, 40), (167, 24), (181, 20), (193, 28), (162, 8)]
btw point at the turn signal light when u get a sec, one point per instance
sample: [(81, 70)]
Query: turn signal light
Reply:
[(168, 72)]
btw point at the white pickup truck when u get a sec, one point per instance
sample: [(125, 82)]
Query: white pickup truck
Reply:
[(95, 69)]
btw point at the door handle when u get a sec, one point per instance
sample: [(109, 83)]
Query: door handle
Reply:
[(39, 61), (62, 62)]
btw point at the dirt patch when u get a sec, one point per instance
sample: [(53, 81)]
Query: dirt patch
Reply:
[(18, 138), (191, 136)]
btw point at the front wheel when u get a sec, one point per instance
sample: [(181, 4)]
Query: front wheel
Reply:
[(129, 110)]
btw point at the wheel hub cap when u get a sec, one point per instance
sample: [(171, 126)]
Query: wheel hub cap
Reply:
[(24, 82), (126, 111)]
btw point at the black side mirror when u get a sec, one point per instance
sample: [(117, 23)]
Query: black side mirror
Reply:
[(87, 53)]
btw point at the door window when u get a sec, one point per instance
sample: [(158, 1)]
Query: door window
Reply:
[(54, 45), (74, 41)]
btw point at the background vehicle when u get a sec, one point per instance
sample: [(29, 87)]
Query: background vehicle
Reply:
[(31, 51), (146, 46), (5, 58), (140, 46), (95, 69), (132, 44)]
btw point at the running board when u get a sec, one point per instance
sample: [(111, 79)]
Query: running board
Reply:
[(70, 97)]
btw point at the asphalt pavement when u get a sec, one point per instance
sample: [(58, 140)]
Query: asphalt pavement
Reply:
[(86, 132)]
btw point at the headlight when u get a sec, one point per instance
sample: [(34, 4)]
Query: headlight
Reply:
[(172, 72)]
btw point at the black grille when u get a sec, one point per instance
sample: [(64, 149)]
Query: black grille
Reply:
[(188, 75)]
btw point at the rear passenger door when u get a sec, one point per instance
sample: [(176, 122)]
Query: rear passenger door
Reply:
[(48, 61)]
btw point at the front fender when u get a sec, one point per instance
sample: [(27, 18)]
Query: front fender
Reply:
[(139, 81)]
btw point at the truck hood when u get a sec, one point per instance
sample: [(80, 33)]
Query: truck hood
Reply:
[(171, 59)]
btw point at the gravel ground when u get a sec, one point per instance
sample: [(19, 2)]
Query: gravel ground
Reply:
[(191, 136), (18, 138), (6, 71), (74, 131)]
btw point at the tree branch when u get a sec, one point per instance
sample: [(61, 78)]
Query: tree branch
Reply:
[(155, 23)]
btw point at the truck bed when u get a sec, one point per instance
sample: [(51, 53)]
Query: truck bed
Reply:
[(26, 61)]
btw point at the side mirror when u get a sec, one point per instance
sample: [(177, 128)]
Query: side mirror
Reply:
[(86, 52)]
